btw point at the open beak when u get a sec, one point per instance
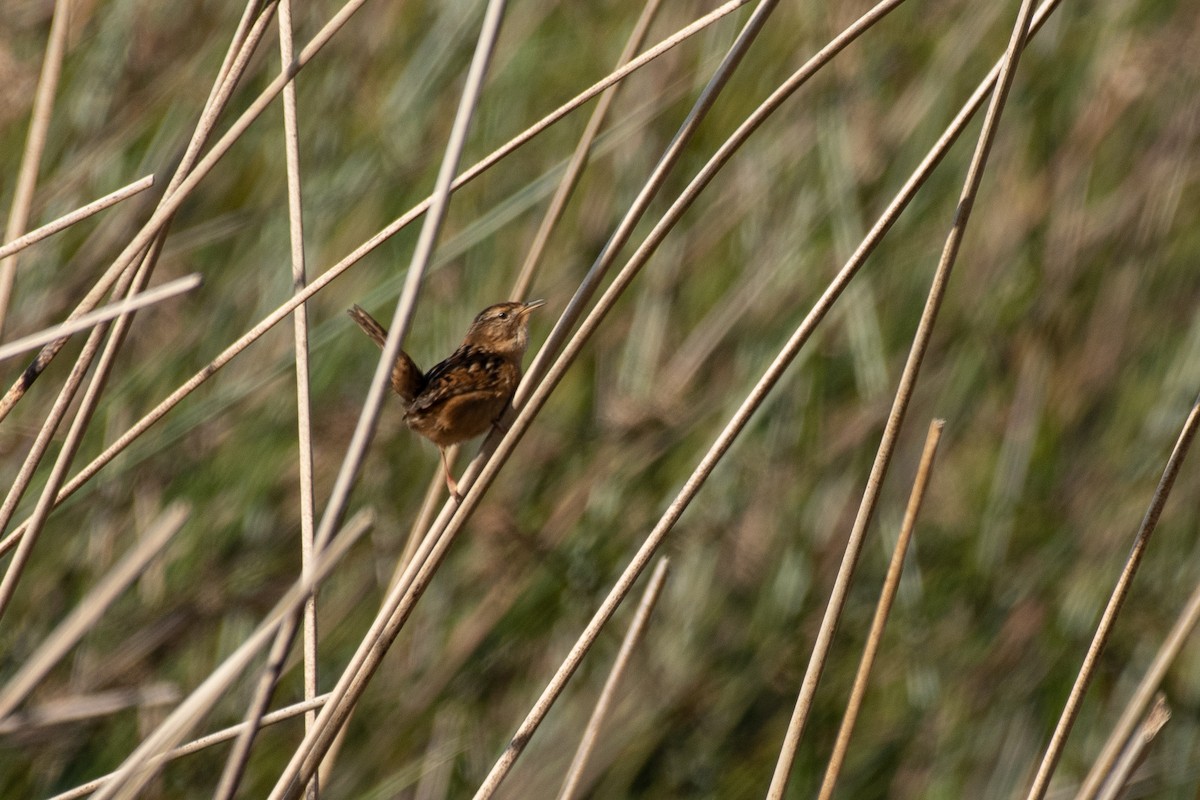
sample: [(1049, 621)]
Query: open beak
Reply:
[(531, 305)]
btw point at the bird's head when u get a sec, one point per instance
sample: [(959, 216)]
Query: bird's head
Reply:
[(503, 328)]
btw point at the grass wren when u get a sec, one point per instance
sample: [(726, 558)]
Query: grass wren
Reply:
[(464, 395)]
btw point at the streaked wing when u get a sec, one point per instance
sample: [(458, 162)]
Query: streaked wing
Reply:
[(468, 371)]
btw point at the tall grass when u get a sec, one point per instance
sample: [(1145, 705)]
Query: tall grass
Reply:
[(736, 248)]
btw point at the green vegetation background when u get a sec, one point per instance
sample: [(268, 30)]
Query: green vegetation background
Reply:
[(1064, 362)]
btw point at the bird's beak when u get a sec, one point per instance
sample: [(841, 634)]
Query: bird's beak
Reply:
[(531, 305)]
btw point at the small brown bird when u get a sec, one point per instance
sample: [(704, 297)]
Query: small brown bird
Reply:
[(464, 395)]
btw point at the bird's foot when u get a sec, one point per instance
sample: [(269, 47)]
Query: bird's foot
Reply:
[(452, 485)]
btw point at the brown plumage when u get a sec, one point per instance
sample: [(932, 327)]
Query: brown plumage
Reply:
[(463, 396)]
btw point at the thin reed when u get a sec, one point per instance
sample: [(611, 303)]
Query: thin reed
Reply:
[(735, 213)]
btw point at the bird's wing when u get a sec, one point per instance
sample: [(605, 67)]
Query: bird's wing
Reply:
[(468, 371)]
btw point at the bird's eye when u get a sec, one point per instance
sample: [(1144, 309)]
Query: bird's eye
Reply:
[(503, 315)]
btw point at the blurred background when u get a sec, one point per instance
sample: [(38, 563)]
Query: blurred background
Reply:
[(1065, 360)]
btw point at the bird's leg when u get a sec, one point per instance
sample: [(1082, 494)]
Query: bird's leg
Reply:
[(451, 484), (505, 420)]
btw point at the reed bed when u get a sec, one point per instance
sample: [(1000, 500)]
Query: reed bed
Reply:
[(776, 240)]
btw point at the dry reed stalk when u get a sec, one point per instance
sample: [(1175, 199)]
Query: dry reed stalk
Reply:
[(190, 178), (399, 602), (144, 762), (272, 319), (235, 63), (91, 608), (239, 754), (364, 429), (579, 158), (171, 204), (1168, 651), (1115, 783), (196, 745), (126, 282), (291, 136), (891, 584), (103, 314), (551, 217), (77, 708), (687, 494), (35, 145), (1116, 599), (574, 775), (66, 454), (368, 418), (895, 420), (78, 215)]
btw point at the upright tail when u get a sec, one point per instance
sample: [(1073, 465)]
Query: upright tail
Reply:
[(408, 380), (369, 324)]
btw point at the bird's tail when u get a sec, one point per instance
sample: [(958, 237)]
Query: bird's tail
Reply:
[(369, 324), (407, 379)]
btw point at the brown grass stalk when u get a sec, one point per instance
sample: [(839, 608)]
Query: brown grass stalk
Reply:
[(1168, 651), (35, 145), (1115, 784), (103, 314), (78, 215), (91, 608), (399, 602), (236, 61), (248, 338), (291, 136), (571, 783), (66, 454), (144, 762), (239, 754), (908, 379), (891, 585), (204, 742)]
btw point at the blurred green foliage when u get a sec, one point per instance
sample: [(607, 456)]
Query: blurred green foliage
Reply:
[(1066, 357)]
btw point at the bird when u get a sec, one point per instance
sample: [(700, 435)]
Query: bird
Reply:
[(467, 393)]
